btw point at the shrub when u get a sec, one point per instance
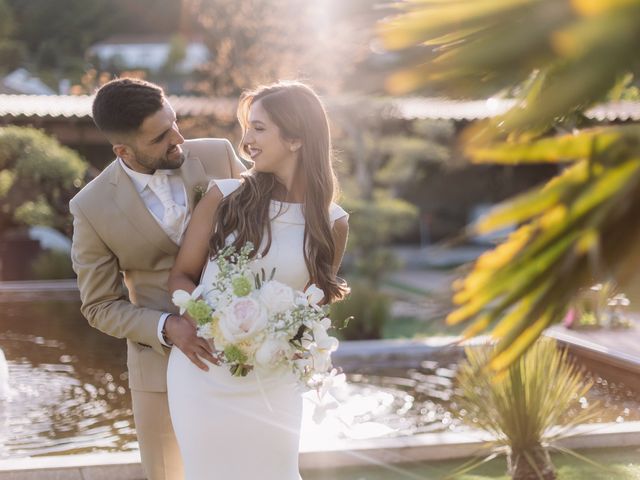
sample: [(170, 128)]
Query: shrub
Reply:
[(52, 265), (38, 177), (526, 410), (369, 308), (12, 54)]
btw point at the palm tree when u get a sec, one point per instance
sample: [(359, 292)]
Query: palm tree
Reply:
[(557, 57), (529, 410)]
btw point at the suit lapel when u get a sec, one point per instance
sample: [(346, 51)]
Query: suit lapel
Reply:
[(132, 206), (194, 177)]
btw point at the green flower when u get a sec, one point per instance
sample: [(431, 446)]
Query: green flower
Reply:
[(234, 354), (241, 286), (199, 311)]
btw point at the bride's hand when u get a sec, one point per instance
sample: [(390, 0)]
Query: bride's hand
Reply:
[(181, 332)]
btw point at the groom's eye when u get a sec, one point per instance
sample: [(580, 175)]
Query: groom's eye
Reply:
[(158, 139)]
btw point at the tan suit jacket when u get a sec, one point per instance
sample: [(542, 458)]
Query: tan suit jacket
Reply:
[(116, 237)]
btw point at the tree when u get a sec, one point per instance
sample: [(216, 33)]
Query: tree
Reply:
[(7, 21), (38, 177), (261, 41), (558, 57), (84, 22), (57, 34), (378, 155), (177, 53), (12, 53)]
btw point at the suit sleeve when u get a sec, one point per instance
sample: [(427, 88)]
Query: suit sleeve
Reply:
[(103, 295), (236, 167)]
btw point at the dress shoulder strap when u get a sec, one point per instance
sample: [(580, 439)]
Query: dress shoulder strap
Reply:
[(336, 212), (225, 185)]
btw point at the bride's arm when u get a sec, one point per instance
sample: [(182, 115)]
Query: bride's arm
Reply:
[(194, 251), (340, 234), (185, 274)]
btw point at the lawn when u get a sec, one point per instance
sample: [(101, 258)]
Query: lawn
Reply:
[(411, 327), (433, 324), (619, 463)]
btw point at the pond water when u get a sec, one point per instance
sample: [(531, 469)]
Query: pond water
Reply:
[(69, 391)]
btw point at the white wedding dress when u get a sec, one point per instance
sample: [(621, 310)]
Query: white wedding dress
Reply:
[(244, 428)]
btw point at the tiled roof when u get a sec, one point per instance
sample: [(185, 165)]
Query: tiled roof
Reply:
[(624, 111), (71, 106), (445, 109), (44, 106), (188, 106)]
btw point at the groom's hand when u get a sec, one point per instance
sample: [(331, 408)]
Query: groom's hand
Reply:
[(181, 332)]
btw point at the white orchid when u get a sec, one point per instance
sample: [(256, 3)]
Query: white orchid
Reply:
[(321, 358), (314, 295), (331, 381), (182, 298), (321, 408), (323, 400), (323, 340)]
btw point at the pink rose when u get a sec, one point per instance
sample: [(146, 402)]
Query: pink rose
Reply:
[(242, 319)]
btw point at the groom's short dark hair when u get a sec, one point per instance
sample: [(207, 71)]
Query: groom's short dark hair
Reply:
[(121, 105)]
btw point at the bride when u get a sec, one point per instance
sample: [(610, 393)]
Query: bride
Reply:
[(249, 427)]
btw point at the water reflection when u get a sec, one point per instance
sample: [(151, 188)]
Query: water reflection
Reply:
[(68, 384), (69, 391)]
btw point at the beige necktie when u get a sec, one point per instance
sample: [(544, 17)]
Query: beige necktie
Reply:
[(174, 214)]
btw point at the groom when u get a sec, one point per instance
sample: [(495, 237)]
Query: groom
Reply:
[(128, 225)]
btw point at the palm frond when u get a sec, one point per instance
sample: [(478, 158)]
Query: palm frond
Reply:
[(558, 57)]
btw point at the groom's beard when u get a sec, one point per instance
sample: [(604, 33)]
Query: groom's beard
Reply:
[(171, 160)]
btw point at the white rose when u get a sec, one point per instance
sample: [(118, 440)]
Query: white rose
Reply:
[(242, 319), (276, 296), (314, 294), (272, 351)]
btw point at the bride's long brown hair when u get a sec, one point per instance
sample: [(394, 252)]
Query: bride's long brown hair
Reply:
[(300, 115)]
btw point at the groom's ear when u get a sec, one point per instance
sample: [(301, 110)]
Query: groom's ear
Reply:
[(123, 151)]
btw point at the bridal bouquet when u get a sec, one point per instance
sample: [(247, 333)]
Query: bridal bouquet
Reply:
[(256, 321)]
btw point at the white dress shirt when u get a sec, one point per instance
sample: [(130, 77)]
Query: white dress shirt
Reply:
[(154, 205)]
